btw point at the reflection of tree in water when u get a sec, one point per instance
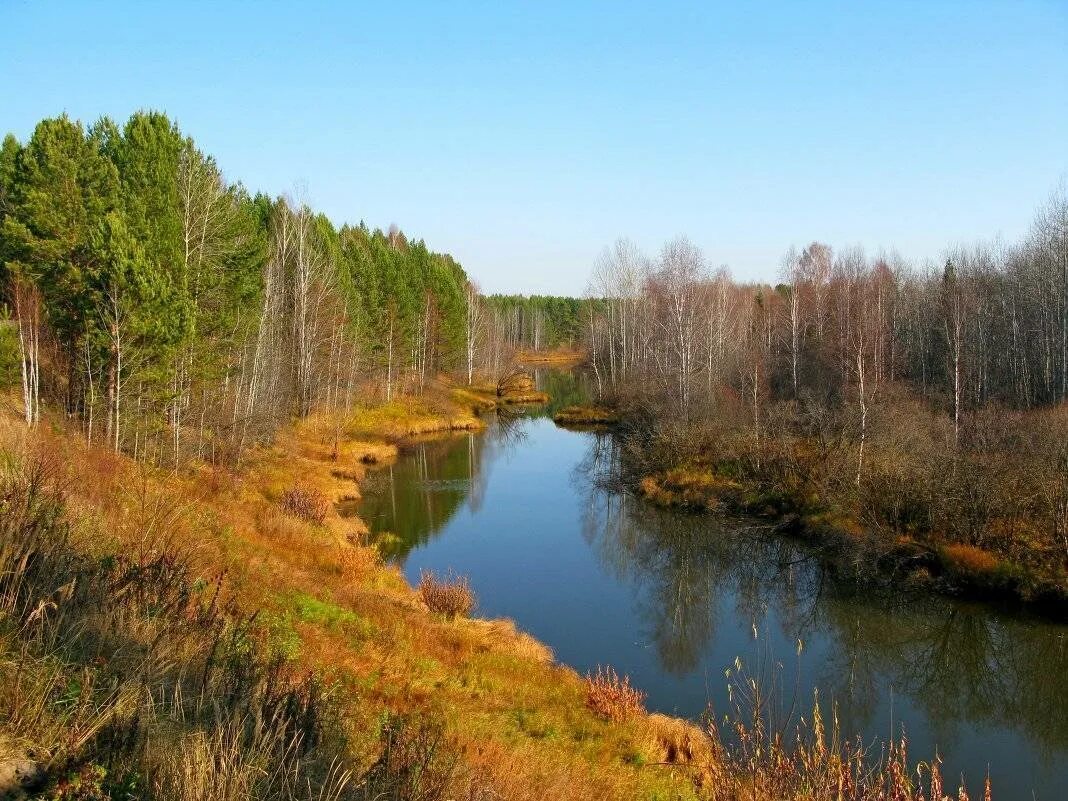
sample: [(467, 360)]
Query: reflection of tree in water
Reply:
[(962, 664), (683, 562), (565, 387), (413, 500)]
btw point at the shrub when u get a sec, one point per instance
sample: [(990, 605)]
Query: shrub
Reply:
[(306, 504), (969, 559), (449, 597), (585, 415), (613, 697)]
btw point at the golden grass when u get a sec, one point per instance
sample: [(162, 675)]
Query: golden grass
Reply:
[(307, 504), (690, 487), (519, 722), (969, 559), (585, 415), (521, 726), (523, 398), (410, 417), (560, 357), (479, 397), (613, 697)]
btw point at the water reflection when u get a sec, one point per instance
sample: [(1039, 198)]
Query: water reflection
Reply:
[(525, 510), (962, 663), (407, 503)]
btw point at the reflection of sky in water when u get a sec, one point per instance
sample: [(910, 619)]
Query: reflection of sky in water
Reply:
[(672, 600)]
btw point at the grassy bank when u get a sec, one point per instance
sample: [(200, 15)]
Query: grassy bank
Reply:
[(316, 608), (563, 357), (585, 416), (981, 522)]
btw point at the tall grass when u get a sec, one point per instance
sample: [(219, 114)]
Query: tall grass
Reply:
[(764, 752), (306, 503), (126, 676), (612, 697)]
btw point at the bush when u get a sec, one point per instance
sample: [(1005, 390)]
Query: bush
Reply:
[(969, 560), (306, 504), (447, 597), (612, 697)]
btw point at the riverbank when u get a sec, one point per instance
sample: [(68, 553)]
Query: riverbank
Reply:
[(563, 358), (852, 539), (585, 415), (513, 723)]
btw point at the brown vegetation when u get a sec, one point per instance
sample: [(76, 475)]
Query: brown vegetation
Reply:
[(612, 697), (339, 684), (863, 401), (517, 382), (818, 764), (585, 416), (564, 357), (450, 596), (306, 503), (518, 388), (984, 520), (501, 720)]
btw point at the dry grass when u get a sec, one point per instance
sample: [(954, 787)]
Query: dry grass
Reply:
[(690, 487), (560, 358), (306, 503), (612, 697), (329, 608), (409, 417), (506, 722), (819, 765), (125, 669), (585, 416), (969, 559), (524, 398), (988, 515), (451, 596)]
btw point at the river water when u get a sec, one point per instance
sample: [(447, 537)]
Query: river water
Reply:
[(677, 600)]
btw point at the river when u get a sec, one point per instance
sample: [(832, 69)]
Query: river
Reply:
[(674, 600)]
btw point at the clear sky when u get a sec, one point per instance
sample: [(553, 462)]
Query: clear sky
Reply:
[(524, 136)]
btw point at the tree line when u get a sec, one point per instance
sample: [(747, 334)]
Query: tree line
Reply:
[(986, 324), (537, 322), (172, 313)]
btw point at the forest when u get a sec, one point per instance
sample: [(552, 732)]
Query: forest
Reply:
[(540, 322), (912, 413), (174, 314)]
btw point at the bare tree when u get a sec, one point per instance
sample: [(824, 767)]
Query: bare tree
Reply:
[(473, 325), (27, 303)]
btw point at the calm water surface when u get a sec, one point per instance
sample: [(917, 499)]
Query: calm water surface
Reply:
[(673, 600)]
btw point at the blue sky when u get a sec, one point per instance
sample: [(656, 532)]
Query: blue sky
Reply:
[(523, 137)]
